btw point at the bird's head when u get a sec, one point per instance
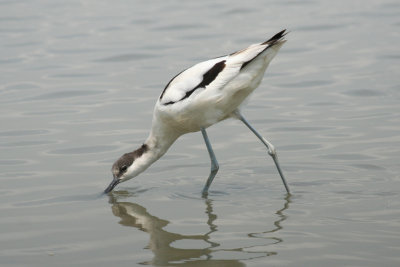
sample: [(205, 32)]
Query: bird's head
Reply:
[(128, 166)]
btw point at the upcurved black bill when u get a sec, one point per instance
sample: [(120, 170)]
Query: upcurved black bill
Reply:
[(112, 185)]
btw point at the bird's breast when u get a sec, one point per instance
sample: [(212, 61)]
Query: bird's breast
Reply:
[(202, 110)]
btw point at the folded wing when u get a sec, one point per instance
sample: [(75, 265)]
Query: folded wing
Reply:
[(214, 73)]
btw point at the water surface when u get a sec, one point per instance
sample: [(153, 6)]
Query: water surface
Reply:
[(78, 82)]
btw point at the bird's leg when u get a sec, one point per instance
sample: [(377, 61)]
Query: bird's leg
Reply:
[(270, 147), (214, 162)]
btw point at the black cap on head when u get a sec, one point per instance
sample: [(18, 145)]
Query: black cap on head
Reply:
[(120, 167)]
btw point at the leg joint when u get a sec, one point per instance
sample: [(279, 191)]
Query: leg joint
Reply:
[(214, 167), (272, 151)]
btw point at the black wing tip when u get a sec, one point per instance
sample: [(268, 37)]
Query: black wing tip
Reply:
[(276, 37)]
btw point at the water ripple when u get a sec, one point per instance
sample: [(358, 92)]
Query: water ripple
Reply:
[(83, 150)]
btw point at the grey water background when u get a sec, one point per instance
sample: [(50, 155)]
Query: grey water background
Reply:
[(78, 82)]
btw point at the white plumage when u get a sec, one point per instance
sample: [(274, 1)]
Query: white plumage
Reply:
[(197, 98)]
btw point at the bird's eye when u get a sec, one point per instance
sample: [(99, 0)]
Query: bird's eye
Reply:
[(123, 168)]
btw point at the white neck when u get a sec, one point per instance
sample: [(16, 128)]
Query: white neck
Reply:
[(156, 147), (159, 142), (160, 139)]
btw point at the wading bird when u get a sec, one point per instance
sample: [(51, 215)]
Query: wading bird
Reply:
[(198, 97)]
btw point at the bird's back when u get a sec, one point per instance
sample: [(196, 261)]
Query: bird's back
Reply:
[(212, 90)]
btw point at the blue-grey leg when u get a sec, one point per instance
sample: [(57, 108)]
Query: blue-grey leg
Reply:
[(214, 162), (270, 147)]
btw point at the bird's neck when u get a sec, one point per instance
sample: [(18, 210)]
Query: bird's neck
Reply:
[(159, 142), (153, 148)]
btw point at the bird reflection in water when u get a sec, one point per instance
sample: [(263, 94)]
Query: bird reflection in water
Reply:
[(161, 241)]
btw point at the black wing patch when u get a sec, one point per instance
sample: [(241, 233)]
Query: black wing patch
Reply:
[(208, 77)]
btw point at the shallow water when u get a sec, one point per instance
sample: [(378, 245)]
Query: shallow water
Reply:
[(78, 81)]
